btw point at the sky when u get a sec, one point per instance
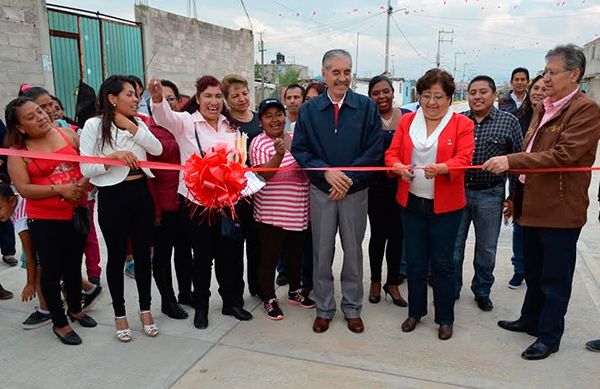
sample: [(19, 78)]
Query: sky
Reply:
[(489, 37)]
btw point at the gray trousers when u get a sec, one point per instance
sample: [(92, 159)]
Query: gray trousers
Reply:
[(350, 215)]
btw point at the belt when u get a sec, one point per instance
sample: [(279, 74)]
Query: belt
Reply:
[(482, 186)]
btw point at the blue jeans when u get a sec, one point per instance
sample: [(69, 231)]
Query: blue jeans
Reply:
[(430, 237), (484, 209), (518, 258)]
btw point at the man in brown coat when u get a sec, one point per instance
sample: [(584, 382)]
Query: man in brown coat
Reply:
[(564, 132)]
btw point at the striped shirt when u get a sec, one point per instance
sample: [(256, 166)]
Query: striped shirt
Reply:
[(19, 216), (284, 201)]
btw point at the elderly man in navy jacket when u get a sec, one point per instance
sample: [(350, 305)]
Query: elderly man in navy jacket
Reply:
[(339, 128)]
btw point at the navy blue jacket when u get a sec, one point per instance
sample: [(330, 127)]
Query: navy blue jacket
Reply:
[(358, 140)]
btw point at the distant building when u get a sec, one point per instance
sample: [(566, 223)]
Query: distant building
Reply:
[(591, 79), (278, 67)]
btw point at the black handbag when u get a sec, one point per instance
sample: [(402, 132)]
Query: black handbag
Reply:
[(231, 229), (81, 219)]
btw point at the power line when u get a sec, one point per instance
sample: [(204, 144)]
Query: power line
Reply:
[(410, 43), (248, 16)]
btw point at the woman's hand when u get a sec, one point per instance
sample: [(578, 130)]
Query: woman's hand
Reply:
[(127, 157), (123, 122), (155, 89), (433, 170), (28, 293), (70, 192), (404, 171), (279, 147)]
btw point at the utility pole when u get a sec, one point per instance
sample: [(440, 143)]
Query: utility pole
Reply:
[(389, 11), (441, 39), (456, 54), (355, 62), (261, 48)]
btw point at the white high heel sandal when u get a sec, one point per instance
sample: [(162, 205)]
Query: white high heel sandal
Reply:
[(125, 334), (150, 330)]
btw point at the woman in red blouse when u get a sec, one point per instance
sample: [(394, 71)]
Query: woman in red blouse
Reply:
[(435, 139)]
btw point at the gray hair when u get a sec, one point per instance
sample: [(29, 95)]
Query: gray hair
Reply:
[(573, 57), (335, 53)]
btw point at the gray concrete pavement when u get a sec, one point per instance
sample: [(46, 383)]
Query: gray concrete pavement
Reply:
[(287, 354)]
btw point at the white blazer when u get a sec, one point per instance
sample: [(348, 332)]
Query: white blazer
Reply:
[(90, 144)]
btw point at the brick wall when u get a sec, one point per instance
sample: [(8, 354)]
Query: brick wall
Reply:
[(24, 47), (182, 49)]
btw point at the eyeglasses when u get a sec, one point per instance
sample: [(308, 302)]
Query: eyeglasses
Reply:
[(436, 98), (171, 99), (552, 74)]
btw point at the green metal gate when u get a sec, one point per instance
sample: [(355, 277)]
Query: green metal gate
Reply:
[(90, 47)]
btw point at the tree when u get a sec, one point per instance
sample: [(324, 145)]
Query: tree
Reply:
[(289, 77)]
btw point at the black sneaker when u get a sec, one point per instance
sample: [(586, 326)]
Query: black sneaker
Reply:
[(36, 320), (516, 281), (273, 310), (300, 298), (5, 294), (10, 260), (89, 300)]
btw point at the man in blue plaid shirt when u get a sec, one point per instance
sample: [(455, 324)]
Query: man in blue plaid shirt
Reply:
[(496, 133)]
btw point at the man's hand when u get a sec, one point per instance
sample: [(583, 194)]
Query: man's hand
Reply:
[(338, 180), (496, 165), (334, 195)]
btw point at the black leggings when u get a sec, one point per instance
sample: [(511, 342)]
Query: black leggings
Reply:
[(204, 233), (169, 235), (126, 210), (60, 250), (386, 227), (272, 240)]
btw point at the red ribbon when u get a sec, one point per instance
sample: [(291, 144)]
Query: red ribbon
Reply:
[(173, 166), (213, 181)]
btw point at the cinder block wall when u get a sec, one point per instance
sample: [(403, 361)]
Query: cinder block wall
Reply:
[(182, 49), (24, 48)]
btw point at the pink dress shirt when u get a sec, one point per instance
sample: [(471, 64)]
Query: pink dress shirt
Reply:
[(184, 127), (550, 109)]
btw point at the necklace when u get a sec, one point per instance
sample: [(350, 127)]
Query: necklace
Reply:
[(387, 122)]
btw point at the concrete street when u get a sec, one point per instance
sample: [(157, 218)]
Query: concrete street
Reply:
[(287, 354)]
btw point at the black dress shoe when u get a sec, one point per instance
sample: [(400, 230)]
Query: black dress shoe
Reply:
[(85, 320), (484, 303), (538, 351), (399, 302), (173, 310), (238, 312), (517, 326), (200, 319), (70, 338)]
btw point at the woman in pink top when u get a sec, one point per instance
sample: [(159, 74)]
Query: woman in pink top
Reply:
[(281, 208), (200, 127)]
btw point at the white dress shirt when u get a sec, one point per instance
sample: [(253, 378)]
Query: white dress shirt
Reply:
[(90, 144)]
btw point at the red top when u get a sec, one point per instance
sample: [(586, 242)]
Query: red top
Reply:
[(455, 148), (164, 186), (48, 172)]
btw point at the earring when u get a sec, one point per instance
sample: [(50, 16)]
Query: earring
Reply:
[(114, 104)]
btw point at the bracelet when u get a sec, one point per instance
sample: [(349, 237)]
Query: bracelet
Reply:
[(52, 188)]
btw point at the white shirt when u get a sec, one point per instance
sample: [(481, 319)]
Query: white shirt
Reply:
[(90, 144), (516, 100), (339, 103), (424, 152)]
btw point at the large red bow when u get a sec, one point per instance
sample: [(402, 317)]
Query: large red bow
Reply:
[(213, 181)]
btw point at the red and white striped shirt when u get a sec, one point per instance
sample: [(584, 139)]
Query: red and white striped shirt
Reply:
[(19, 215), (284, 201)]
